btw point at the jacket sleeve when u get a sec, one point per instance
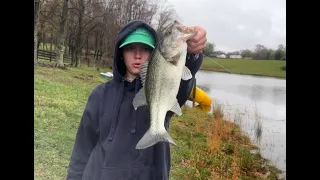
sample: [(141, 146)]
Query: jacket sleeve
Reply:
[(193, 62), (86, 137)]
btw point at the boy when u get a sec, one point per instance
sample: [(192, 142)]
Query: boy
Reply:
[(110, 128)]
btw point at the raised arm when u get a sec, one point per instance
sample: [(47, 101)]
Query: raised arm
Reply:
[(194, 60)]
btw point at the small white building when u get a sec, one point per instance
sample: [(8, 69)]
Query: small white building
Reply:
[(235, 56), (221, 56)]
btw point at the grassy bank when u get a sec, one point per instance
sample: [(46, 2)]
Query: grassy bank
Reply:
[(209, 148), (270, 68)]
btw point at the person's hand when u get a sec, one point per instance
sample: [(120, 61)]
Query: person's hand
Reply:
[(197, 44)]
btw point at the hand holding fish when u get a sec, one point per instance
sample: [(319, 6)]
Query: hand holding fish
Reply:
[(197, 43)]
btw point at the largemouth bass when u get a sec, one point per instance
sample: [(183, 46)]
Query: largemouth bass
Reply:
[(161, 77)]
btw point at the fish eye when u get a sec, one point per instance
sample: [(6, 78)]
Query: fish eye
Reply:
[(169, 32)]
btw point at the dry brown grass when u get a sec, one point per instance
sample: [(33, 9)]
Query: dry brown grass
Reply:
[(235, 165), (213, 148)]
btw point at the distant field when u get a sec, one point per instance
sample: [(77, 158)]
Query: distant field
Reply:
[(46, 46), (246, 66)]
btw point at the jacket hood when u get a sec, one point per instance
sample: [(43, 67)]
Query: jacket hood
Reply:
[(119, 67)]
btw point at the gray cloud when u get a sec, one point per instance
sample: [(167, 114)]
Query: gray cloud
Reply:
[(234, 25)]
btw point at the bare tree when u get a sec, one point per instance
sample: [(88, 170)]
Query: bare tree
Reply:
[(120, 13), (165, 16), (60, 47), (94, 24), (36, 20), (49, 18), (78, 42)]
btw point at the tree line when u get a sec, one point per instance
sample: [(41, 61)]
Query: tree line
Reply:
[(260, 52), (87, 29)]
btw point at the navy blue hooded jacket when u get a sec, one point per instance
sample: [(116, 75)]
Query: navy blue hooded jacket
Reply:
[(110, 128)]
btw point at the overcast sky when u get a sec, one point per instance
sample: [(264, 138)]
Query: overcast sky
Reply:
[(236, 24)]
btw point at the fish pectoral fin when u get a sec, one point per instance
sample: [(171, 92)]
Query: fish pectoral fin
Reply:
[(149, 139), (139, 99), (176, 109), (143, 72), (186, 73)]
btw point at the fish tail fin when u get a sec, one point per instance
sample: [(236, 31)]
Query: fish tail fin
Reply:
[(149, 139)]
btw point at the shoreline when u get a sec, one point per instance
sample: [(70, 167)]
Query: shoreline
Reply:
[(249, 74), (271, 161), (212, 137)]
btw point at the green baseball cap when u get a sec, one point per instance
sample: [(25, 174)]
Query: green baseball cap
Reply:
[(140, 35)]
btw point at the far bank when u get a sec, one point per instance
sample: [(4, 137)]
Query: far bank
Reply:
[(268, 68)]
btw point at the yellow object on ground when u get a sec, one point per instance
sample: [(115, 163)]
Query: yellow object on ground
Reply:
[(201, 97)]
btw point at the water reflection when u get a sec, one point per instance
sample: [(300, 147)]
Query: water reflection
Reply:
[(242, 98), (256, 92)]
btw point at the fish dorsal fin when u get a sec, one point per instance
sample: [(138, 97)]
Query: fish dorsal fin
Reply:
[(186, 73), (143, 72)]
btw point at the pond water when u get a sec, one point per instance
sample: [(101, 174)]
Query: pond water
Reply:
[(244, 98)]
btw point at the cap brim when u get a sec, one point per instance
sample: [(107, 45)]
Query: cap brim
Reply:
[(137, 41)]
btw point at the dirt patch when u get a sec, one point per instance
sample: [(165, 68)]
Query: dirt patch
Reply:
[(45, 64), (43, 73), (85, 77), (53, 65)]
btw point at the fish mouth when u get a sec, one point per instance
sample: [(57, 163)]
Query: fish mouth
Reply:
[(182, 28), (177, 22), (185, 29), (187, 32)]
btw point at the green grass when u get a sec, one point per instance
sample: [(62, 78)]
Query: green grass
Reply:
[(207, 147), (46, 46), (59, 98), (271, 68)]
